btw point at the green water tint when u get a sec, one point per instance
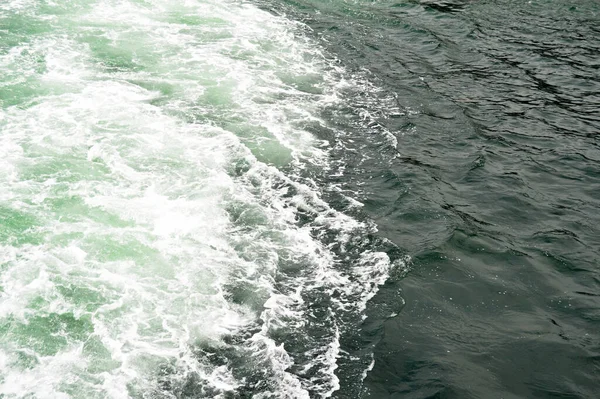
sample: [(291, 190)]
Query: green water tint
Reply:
[(138, 222), (170, 175)]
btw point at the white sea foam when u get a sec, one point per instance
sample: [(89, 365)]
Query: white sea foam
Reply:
[(149, 163)]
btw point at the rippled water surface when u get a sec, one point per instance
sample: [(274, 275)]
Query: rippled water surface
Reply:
[(494, 190), (299, 199)]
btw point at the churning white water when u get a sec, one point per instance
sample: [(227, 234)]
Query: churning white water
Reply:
[(151, 155)]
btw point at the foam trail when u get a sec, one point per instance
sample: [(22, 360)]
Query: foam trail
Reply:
[(160, 238)]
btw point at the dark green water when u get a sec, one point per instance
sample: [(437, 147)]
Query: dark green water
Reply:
[(299, 199), (493, 189)]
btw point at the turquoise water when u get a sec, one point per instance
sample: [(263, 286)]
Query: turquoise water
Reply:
[(156, 161), (299, 199)]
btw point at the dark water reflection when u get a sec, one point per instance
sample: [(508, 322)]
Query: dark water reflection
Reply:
[(494, 191)]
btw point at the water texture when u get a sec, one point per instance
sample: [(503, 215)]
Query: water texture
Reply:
[(299, 199), (494, 191)]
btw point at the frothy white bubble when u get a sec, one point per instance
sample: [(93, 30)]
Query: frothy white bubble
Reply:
[(151, 219)]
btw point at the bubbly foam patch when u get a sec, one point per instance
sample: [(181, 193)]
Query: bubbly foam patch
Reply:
[(158, 236)]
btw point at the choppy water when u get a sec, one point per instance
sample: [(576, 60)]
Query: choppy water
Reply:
[(299, 199)]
